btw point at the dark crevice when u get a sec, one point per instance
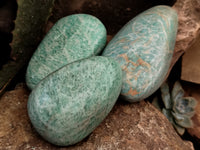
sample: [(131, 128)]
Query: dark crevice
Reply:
[(195, 141), (113, 13), (8, 10)]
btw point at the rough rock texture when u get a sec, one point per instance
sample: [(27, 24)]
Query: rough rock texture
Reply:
[(70, 103), (137, 126), (190, 70), (188, 28), (144, 48), (72, 38)]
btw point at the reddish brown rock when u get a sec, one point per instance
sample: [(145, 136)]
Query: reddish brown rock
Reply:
[(189, 26), (190, 70), (137, 126)]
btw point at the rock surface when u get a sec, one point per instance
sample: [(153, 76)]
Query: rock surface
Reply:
[(188, 28), (144, 48), (72, 38), (137, 126), (190, 70), (70, 103)]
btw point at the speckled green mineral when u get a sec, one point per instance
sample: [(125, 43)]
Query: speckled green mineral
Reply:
[(70, 103), (72, 38), (144, 48)]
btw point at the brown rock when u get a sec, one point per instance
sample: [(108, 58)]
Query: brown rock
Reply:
[(136, 126), (189, 26), (190, 63)]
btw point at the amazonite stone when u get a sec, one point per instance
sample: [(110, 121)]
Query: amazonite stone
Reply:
[(72, 38), (70, 103), (144, 48)]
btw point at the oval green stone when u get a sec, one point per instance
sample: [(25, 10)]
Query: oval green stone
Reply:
[(144, 48), (72, 38), (70, 103)]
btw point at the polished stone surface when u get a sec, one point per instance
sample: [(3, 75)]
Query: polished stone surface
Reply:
[(72, 38), (70, 103), (144, 48)]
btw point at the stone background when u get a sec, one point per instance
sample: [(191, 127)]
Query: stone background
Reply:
[(128, 126)]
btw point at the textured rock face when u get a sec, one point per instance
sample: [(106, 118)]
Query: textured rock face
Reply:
[(188, 28), (189, 22), (70, 103), (72, 38), (190, 70), (137, 126), (144, 48)]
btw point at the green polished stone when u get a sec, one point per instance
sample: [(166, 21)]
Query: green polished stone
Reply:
[(70, 103), (72, 38), (144, 48)]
